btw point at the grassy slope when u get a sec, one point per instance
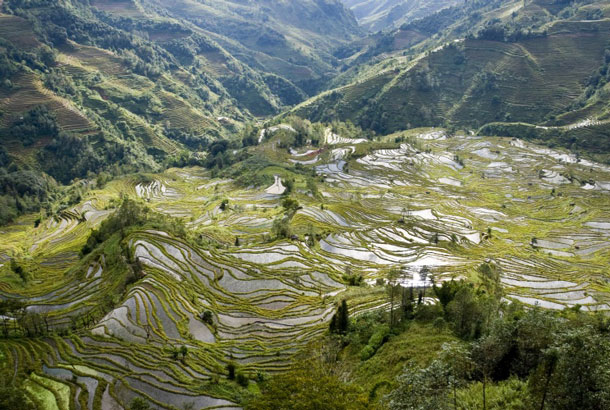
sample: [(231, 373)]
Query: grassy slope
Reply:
[(108, 92), (420, 343), (525, 81)]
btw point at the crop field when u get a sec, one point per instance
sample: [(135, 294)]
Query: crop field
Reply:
[(446, 203)]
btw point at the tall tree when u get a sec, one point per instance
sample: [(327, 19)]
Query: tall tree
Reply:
[(581, 379), (343, 317), (421, 389), (392, 289)]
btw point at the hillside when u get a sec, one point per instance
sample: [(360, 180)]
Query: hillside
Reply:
[(551, 76), (157, 285), (268, 204), (290, 39), (125, 86), (390, 14)]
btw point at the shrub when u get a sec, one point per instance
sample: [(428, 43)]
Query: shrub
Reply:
[(231, 371), (378, 338), (242, 379)]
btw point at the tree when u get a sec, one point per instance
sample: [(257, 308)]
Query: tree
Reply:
[(487, 353), (540, 380), (13, 398), (407, 303), (340, 320), (343, 317), (535, 333), (392, 289), (308, 386), (289, 185), (489, 275), (421, 389), (231, 371), (446, 292), (460, 366), (424, 272), (207, 317), (465, 314), (290, 205), (281, 227), (580, 377)]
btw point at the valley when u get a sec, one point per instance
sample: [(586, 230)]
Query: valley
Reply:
[(304, 205)]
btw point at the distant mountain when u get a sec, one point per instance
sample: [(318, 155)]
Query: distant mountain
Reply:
[(378, 15), (291, 39), (544, 64)]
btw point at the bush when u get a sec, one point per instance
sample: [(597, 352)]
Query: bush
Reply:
[(378, 338), (139, 404), (367, 352), (242, 379), (231, 371)]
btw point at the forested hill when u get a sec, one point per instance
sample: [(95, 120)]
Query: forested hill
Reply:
[(106, 87), (115, 86), (539, 71)]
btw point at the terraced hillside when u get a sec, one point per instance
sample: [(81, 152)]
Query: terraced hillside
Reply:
[(497, 80), (291, 42), (235, 288), (548, 74)]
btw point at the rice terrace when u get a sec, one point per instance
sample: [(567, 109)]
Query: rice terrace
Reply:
[(318, 204)]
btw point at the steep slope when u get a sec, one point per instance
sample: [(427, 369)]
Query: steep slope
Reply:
[(502, 73), (376, 15), (411, 39), (80, 96), (123, 85)]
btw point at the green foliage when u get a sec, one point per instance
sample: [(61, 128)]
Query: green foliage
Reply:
[(308, 386), (130, 213), (231, 370), (352, 279), (580, 378), (281, 227), (242, 379), (510, 394), (13, 398), (421, 389), (36, 123), (290, 205), (139, 403), (19, 270), (378, 338), (446, 292), (339, 323), (207, 317), (466, 313)]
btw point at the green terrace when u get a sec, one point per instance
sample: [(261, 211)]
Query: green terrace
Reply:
[(249, 271)]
